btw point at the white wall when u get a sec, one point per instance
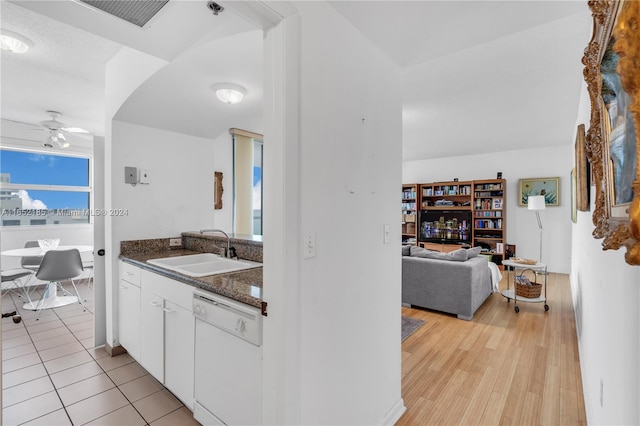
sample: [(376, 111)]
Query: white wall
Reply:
[(522, 226), (606, 295), (124, 73), (180, 195), (346, 166)]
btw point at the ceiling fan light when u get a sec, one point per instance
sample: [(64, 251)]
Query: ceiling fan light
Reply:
[(64, 144), (14, 42), (229, 93)]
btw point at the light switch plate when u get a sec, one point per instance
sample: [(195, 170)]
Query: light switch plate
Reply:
[(144, 176), (386, 229)]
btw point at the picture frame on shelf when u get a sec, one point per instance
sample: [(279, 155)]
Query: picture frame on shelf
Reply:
[(548, 187)]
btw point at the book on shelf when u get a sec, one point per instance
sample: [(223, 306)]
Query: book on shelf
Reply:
[(497, 204), (499, 248)]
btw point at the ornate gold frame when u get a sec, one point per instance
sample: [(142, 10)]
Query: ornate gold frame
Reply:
[(619, 225)]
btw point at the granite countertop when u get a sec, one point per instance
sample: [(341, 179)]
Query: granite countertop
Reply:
[(243, 286)]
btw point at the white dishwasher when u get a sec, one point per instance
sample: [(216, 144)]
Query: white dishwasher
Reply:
[(228, 361)]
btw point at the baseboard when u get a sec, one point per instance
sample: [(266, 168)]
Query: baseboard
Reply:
[(394, 414), (114, 351)]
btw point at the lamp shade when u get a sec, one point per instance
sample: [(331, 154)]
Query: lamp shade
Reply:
[(536, 202)]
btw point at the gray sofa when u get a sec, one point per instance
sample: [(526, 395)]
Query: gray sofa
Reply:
[(456, 287)]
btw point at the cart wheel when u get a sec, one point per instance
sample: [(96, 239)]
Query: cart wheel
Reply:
[(508, 300), (546, 307), (517, 308)]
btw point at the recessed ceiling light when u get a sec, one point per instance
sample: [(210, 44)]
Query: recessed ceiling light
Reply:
[(229, 93), (14, 42)]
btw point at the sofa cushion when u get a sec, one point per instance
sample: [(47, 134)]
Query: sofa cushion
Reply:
[(459, 255), (473, 252), (406, 250)]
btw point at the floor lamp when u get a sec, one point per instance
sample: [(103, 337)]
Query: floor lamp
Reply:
[(537, 203)]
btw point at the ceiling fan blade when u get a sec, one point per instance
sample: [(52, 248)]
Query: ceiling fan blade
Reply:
[(75, 130)]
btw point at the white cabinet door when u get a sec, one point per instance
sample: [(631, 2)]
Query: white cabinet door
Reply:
[(179, 352), (152, 334), (129, 317)]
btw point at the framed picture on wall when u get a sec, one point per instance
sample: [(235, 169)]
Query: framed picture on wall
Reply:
[(582, 171), (549, 187), (574, 197)]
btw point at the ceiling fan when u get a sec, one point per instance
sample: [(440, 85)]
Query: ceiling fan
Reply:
[(58, 133)]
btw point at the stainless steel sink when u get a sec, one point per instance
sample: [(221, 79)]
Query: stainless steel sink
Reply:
[(203, 264)]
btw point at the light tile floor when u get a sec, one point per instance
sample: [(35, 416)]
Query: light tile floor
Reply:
[(52, 374)]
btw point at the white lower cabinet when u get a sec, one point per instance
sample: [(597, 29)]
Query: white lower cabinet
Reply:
[(179, 351), (167, 334), (152, 337), (129, 309)]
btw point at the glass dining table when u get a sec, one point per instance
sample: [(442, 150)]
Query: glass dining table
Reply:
[(51, 299)]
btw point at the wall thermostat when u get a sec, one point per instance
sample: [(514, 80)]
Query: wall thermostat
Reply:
[(131, 175)]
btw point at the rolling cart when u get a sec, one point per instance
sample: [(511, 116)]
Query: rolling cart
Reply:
[(510, 293)]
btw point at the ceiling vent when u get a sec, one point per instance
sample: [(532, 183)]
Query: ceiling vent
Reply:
[(138, 12)]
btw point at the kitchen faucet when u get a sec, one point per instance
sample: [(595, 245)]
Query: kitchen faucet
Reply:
[(229, 250)]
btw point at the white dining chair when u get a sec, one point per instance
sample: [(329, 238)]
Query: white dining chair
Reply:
[(15, 281), (88, 266), (59, 266), (31, 262)]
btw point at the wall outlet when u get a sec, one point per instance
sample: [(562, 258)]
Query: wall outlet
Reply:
[(175, 242)]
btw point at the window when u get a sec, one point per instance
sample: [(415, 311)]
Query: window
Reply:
[(248, 154), (44, 189)]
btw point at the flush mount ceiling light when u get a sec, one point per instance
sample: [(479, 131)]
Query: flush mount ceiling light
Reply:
[(229, 93), (14, 42)]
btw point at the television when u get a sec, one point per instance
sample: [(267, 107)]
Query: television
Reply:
[(445, 226)]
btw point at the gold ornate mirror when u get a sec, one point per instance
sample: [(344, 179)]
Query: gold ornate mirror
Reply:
[(612, 72)]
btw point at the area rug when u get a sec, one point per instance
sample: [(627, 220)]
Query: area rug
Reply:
[(409, 325)]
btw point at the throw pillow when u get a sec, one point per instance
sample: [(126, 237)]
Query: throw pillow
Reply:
[(406, 250), (473, 252), (459, 255), (414, 250)]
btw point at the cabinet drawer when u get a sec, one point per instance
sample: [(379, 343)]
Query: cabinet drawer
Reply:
[(130, 273), (179, 293)]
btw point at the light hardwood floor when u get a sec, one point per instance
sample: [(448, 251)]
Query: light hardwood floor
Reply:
[(499, 368)]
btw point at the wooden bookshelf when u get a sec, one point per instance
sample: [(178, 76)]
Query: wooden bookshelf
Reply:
[(489, 216), (484, 200), (409, 214)]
